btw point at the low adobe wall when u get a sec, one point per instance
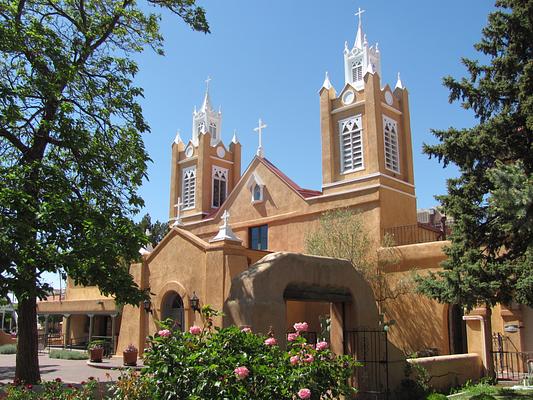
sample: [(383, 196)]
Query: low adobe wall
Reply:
[(452, 370)]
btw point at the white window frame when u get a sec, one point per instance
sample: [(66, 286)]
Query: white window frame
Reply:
[(222, 172), (391, 150), (213, 129), (344, 169), (357, 70), (188, 193)]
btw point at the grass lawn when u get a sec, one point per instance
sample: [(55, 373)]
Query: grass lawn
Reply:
[(499, 393)]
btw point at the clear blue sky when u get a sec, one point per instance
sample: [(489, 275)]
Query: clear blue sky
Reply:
[(267, 59)]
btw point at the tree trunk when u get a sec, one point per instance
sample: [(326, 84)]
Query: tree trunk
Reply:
[(27, 369), (488, 342)]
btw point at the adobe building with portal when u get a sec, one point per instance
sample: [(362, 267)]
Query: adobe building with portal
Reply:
[(237, 238)]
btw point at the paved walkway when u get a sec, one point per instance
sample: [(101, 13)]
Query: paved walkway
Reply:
[(70, 371)]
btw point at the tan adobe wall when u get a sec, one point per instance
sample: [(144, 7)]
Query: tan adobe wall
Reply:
[(450, 371)]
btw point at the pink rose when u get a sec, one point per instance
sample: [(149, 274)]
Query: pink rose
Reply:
[(164, 333), (195, 330), (301, 326), (271, 341), (291, 337), (246, 329), (309, 358), (241, 372), (322, 346), (304, 393), (294, 360)]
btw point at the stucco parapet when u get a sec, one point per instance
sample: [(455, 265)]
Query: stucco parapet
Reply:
[(414, 256), (445, 358)]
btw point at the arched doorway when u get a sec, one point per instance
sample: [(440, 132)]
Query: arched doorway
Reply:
[(172, 307), (456, 330)]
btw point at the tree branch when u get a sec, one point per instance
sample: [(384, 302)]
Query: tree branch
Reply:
[(15, 141)]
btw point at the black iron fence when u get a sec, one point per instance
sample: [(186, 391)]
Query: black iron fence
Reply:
[(46, 342), (412, 234), (370, 347), (510, 364)]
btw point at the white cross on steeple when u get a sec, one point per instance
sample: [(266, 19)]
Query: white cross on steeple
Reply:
[(178, 206), (207, 83), (358, 14), (259, 130)]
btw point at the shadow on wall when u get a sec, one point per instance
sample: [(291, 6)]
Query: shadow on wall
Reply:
[(420, 325)]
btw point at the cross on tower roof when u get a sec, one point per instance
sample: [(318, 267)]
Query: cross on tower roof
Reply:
[(358, 13), (207, 82), (178, 206), (259, 130)]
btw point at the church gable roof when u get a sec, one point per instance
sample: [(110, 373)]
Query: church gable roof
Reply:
[(242, 186)]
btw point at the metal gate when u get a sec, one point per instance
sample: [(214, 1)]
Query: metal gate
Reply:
[(370, 347), (509, 363)]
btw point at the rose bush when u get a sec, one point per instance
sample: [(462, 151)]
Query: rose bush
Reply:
[(237, 364)]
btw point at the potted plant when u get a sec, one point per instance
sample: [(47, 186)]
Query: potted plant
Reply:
[(96, 350), (130, 355)]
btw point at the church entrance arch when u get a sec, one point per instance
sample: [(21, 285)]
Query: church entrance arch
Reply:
[(172, 307)]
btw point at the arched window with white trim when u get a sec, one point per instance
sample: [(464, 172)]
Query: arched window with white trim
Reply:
[(351, 144), (188, 187), (220, 180), (390, 139)]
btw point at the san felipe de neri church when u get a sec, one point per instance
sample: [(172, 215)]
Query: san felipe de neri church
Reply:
[(237, 238)]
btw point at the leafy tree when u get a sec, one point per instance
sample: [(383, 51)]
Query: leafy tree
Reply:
[(71, 152), (342, 234), (155, 231), (490, 259)]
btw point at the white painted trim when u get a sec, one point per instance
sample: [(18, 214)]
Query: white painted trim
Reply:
[(398, 180), (221, 159), (341, 147), (364, 178), (399, 191), (348, 107), (397, 137), (360, 178), (188, 159), (390, 108), (360, 189)]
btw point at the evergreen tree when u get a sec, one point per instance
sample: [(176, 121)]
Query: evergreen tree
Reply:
[(156, 231), (490, 259), (71, 151)]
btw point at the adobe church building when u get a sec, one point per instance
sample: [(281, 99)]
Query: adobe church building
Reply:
[(237, 238)]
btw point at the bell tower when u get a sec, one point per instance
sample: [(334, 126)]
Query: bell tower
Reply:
[(366, 134), (203, 170), (360, 58)]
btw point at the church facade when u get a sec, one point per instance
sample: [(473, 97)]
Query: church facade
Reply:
[(237, 238)]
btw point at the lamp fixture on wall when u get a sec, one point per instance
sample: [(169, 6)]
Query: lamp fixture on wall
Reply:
[(194, 302), (147, 304)]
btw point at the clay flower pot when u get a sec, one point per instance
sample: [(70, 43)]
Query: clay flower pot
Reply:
[(96, 354), (129, 355)]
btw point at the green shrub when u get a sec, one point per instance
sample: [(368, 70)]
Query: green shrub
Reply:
[(483, 387), (483, 396), (437, 396), (68, 355), (132, 386), (207, 363), (8, 349), (52, 390)]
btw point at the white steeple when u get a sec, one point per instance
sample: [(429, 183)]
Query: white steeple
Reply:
[(234, 138), (399, 84), (206, 119), (357, 60), (327, 84)]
